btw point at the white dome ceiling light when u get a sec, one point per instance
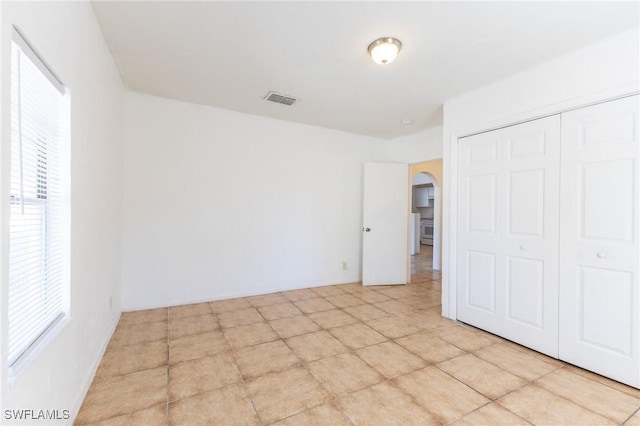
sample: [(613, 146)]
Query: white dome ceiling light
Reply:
[(384, 50)]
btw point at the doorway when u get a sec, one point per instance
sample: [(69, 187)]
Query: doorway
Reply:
[(423, 207), (426, 214)]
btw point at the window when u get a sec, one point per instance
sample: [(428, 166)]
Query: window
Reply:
[(39, 204)]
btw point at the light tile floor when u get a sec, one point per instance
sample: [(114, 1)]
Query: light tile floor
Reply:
[(337, 355)]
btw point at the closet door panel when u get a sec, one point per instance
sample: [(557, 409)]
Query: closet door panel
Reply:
[(526, 206), (530, 245), (508, 228), (525, 291), (479, 269), (482, 193), (614, 205), (614, 301), (481, 278), (599, 290)]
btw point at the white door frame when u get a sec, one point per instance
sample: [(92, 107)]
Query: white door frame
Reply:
[(452, 132)]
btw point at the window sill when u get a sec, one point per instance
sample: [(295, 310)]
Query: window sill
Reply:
[(38, 347)]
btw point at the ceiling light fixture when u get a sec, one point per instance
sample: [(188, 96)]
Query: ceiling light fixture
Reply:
[(384, 50)]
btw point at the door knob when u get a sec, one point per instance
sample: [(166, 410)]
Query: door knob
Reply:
[(523, 247), (602, 255), (367, 229)]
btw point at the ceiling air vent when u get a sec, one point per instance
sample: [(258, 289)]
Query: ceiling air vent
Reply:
[(280, 98)]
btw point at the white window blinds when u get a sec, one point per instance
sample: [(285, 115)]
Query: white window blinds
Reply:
[(38, 237)]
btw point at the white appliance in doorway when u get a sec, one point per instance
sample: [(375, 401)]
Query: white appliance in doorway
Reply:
[(415, 233), (426, 232)]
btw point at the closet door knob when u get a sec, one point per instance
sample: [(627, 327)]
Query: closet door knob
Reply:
[(523, 247), (602, 255)]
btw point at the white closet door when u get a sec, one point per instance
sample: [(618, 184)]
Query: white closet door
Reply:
[(508, 230), (599, 292)]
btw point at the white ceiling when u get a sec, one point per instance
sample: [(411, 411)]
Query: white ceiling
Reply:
[(230, 54)]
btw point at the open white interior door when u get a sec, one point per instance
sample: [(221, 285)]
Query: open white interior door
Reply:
[(385, 233)]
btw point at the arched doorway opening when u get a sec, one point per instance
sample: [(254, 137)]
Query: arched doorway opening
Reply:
[(426, 215)]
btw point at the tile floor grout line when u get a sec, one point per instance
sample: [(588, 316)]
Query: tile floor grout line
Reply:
[(566, 364), (291, 350), (499, 405), (429, 363), (304, 365), (535, 382), (246, 389), (474, 353), (569, 401), (490, 400), (470, 412), (413, 398), (631, 416), (468, 385)]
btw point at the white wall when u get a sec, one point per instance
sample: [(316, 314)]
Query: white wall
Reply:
[(68, 38), (219, 204), (422, 146), (597, 72)]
